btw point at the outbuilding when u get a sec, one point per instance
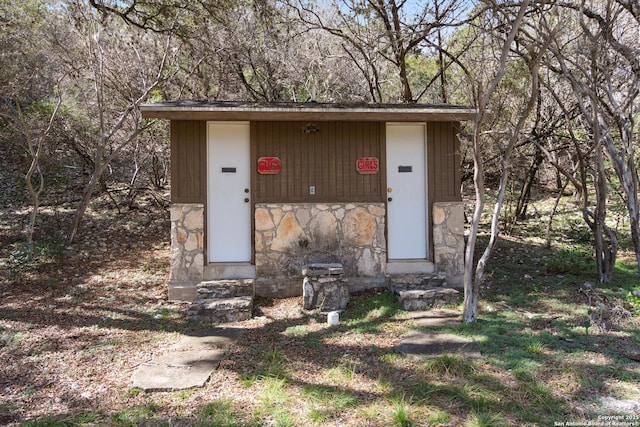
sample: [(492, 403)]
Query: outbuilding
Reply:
[(258, 191)]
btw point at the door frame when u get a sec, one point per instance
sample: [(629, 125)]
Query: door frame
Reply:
[(209, 210), (425, 160)]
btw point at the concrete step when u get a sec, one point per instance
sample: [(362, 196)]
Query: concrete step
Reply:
[(221, 310), (228, 288), (425, 299), (397, 284), (422, 292)]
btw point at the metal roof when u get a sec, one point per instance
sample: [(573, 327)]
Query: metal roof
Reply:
[(245, 110)]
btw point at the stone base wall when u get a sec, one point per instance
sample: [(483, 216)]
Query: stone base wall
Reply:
[(187, 250), (290, 236), (448, 240)]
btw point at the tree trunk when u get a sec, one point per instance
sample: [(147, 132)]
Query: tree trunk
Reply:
[(471, 286), (34, 192), (552, 214), (525, 192), (605, 251), (34, 147), (86, 197), (623, 161)]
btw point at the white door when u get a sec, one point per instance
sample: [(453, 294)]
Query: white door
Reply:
[(407, 191), (228, 192)]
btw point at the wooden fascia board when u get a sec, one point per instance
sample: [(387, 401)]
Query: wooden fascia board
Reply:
[(357, 114)]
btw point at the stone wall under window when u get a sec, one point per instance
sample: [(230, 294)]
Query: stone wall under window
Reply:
[(289, 236)]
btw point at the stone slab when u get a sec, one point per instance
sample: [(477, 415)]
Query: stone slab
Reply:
[(182, 291), (424, 344), (226, 288), (224, 310), (221, 271), (188, 363), (177, 370), (436, 318), (418, 281), (425, 299), (323, 269), (618, 406), (410, 267), (209, 338)]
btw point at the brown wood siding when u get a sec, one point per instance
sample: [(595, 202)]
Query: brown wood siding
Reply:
[(188, 161), (444, 161), (325, 159)]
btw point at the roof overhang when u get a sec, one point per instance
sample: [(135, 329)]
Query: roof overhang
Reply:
[(295, 111)]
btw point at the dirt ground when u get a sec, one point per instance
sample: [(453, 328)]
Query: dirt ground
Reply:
[(75, 324)]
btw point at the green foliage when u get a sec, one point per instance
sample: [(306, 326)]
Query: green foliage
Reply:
[(12, 339), (420, 70), (184, 394), (422, 390), (372, 307), (571, 261), (633, 298), (318, 416), (25, 256), (133, 392), (438, 416)]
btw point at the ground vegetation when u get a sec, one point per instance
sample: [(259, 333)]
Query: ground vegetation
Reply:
[(85, 181), (77, 319)]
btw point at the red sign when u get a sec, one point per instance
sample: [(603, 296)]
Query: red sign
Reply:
[(367, 165), (269, 165)]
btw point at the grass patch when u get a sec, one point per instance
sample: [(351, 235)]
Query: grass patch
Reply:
[(274, 365), (486, 419), (370, 314), (135, 415), (535, 346), (400, 414), (273, 401), (342, 374), (297, 331), (449, 365), (314, 341), (220, 413), (64, 421), (570, 261), (184, 394), (327, 402)]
